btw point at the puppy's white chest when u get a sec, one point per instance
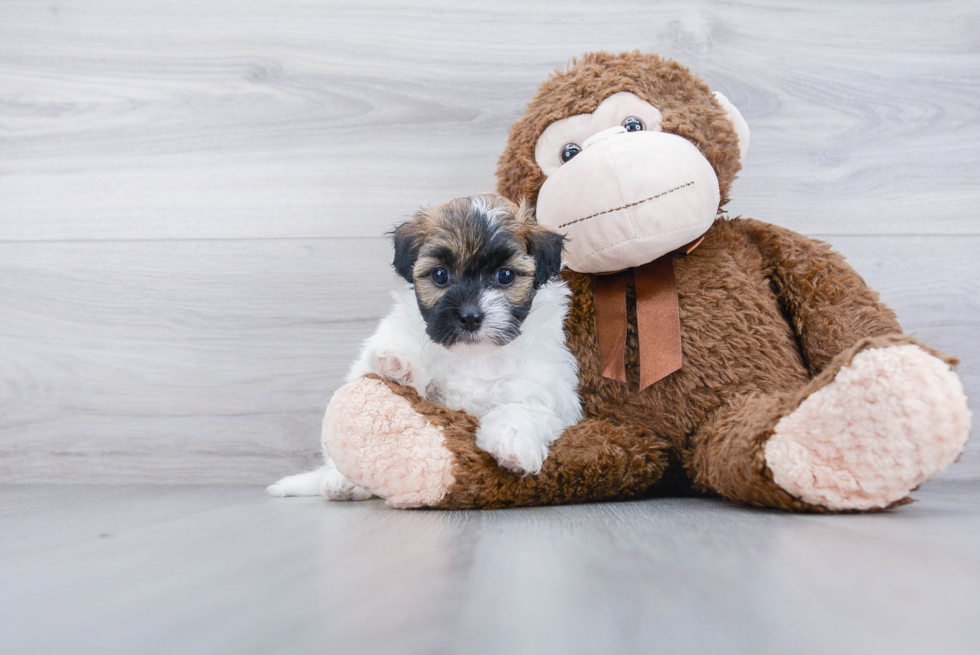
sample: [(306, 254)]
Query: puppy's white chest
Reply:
[(474, 384)]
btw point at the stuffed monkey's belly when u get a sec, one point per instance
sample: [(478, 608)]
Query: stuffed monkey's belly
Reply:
[(735, 341)]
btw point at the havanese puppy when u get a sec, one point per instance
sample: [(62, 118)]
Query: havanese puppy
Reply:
[(480, 330)]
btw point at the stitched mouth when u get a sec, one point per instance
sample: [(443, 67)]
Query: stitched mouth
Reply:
[(627, 206)]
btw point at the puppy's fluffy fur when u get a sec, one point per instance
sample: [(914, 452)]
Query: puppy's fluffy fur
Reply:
[(480, 330)]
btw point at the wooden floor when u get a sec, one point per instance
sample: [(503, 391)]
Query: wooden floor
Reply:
[(122, 569)]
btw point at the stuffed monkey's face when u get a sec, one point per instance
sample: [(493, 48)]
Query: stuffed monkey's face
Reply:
[(623, 191)]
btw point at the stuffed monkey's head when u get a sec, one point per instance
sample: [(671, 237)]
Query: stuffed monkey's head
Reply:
[(631, 156)]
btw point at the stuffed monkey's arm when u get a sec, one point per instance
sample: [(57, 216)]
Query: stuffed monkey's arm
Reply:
[(828, 304)]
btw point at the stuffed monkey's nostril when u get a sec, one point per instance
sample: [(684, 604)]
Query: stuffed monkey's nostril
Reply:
[(605, 134)]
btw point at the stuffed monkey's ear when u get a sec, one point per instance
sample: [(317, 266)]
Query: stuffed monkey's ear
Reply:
[(545, 246), (407, 239), (741, 127)]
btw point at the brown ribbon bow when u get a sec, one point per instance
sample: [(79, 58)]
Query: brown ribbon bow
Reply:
[(658, 320)]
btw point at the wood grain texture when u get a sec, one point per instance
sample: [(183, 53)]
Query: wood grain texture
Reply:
[(89, 569), (178, 361), (184, 361), (192, 195), (288, 119)]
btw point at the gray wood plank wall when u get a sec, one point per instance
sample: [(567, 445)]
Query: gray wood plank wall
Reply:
[(192, 195)]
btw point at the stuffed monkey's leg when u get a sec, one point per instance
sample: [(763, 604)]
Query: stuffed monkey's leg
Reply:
[(414, 453), (727, 455), (880, 419)]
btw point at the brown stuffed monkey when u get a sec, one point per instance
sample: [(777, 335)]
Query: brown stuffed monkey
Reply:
[(723, 356)]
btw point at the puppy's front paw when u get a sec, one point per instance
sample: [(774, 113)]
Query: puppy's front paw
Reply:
[(513, 451), (514, 444), (398, 367)]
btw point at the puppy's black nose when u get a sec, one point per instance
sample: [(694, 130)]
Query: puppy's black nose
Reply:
[(470, 318)]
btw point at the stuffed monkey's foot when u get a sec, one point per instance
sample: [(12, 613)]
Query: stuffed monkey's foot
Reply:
[(888, 420), (380, 443)]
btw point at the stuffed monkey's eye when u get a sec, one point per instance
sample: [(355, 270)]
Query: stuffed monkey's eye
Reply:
[(633, 124), (569, 151), (504, 277), (440, 277)]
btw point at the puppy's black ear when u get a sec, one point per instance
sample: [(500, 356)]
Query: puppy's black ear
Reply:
[(545, 246), (407, 239)]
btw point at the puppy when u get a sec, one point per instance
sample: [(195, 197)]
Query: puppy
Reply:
[(480, 330)]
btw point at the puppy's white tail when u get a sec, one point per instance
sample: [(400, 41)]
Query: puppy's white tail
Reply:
[(301, 484)]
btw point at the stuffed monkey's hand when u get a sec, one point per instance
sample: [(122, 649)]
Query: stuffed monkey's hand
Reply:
[(518, 436), (398, 366)]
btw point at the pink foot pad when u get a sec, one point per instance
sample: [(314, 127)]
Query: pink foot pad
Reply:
[(379, 442), (890, 419)]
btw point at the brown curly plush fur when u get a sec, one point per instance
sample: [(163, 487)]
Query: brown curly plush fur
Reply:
[(703, 427), (767, 317)]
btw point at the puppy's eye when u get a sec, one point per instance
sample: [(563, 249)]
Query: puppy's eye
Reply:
[(633, 124), (569, 151), (440, 277), (504, 277)]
